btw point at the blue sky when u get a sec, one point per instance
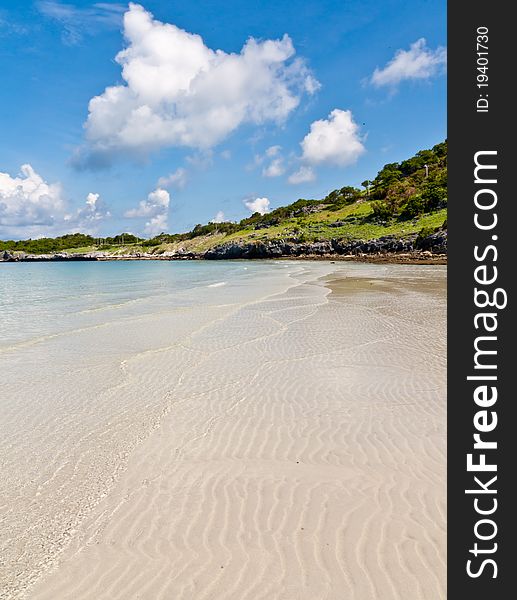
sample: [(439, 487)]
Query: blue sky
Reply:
[(186, 133)]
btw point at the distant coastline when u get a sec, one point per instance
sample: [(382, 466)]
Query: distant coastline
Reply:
[(412, 249)]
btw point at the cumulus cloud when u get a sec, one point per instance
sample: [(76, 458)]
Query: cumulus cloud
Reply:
[(155, 208), (179, 92), (76, 22), (219, 217), (335, 140), (156, 225), (419, 62), (28, 204), (260, 205), (91, 215), (177, 179), (275, 168), (32, 207), (275, 160), (303, 175)]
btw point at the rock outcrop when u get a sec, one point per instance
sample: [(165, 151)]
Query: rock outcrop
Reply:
[(435, 243), (6, 256)]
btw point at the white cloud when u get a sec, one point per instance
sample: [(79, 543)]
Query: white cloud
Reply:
[(155, 208), (303, 175), (76, 22), (28, 204), (156, 201), (275, 168), (177, 179), (335, 140), (91, 215), (179, 92), (273, 151), (260, 205), (219, 217), (32, 207), (312, 85), (419, 62), (156, 225)]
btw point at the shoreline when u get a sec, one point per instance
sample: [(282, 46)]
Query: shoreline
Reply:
[(229, 487), (221, 438), (403, 258), (431, 249)]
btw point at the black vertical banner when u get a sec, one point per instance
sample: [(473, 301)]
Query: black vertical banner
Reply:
[(482, 363)]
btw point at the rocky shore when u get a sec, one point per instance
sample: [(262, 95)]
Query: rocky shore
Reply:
[(432, 248)]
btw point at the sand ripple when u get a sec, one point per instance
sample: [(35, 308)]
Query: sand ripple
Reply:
[(291, 447)]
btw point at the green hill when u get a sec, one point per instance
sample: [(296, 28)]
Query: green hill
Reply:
[(404, 198)]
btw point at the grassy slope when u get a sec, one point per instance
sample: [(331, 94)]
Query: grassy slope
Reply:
[(313, 227), (316, 227)]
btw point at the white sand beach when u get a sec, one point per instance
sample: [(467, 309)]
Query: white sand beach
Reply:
[(282, 437)]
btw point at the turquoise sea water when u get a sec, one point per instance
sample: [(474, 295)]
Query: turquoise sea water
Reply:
[(40, 299)]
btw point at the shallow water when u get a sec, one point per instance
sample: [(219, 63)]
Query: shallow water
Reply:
[(98, 359)]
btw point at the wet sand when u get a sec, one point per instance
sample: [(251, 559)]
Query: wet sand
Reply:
[(290, 446)]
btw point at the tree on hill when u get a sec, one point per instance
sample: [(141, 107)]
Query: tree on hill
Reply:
[(414, 187)]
